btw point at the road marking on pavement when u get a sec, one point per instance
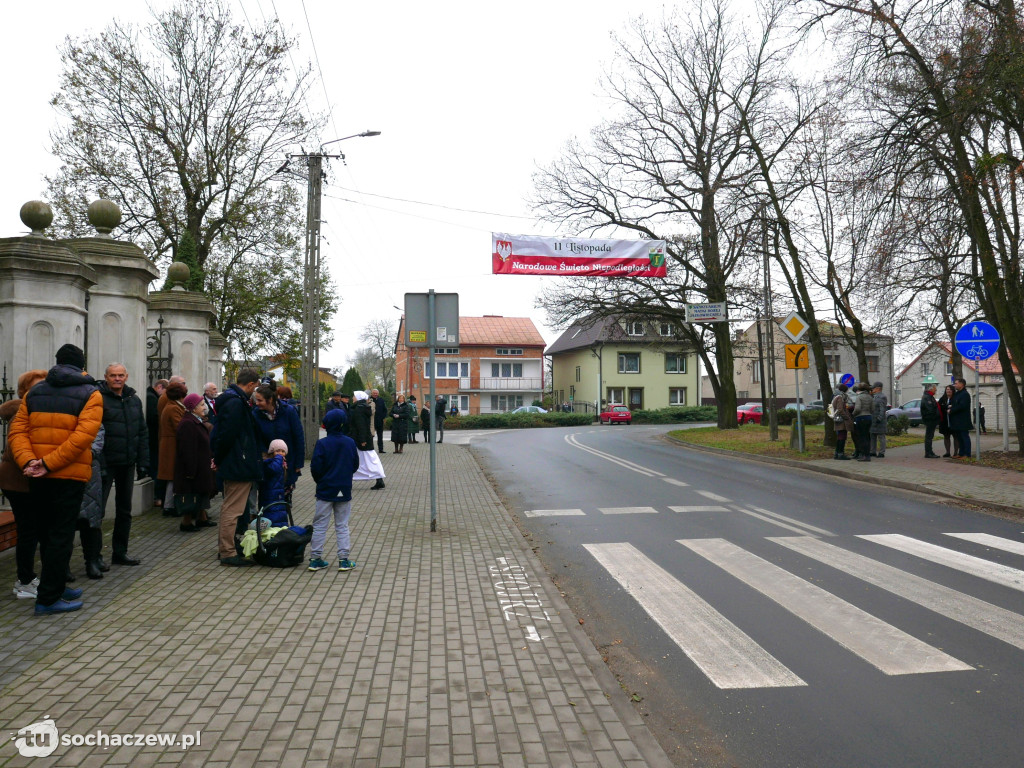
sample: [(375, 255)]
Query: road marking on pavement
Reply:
[(722, 651), (976, 566), (552, 512), (890, 650), (804, 527), (713, 496), (571, 440), (673, 481), (699, 509), (988, 540), (628, 510), (519, 598), (765, 518), (984, 617)]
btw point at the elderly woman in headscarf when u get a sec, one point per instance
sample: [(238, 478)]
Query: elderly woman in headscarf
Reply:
[(370, 467)]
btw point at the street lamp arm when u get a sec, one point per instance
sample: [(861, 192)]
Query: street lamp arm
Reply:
[(362, 135)]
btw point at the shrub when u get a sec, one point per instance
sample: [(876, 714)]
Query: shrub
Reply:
[(673, 415), (518, 420), (784, 416), (898, 425)]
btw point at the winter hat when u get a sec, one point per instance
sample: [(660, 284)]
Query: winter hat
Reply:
[(360, 395), (192, 400), (878, 385), (69, 354), (278, 445)]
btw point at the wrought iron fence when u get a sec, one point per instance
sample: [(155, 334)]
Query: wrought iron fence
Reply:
[(6, 393)]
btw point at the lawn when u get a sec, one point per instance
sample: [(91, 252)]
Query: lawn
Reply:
[(753, 438)]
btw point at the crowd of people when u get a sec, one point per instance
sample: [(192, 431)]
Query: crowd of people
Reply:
[(73, 439)]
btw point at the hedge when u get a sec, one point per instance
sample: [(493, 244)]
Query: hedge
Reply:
[(676, 415), (517, 420), (787, 416)]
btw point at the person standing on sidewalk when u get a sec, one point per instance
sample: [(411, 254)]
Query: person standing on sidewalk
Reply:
[(440, 414), (414, 418), (843, 420), (153, 395), (361, 431), (335, 461), (879, 420), (236, 457), (400, 423), (125, 456), (862, 408), (930, 419), (960, 418), (51, 438), (380, 412), (947, 433)]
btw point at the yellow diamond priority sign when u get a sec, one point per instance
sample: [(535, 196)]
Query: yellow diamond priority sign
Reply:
[(794, 326)]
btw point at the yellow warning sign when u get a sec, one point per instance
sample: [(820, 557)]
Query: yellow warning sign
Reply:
[(796, 356), (420, 336)]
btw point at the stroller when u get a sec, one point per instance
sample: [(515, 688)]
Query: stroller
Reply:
[(288, 547)]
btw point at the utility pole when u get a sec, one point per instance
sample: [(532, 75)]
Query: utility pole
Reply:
[(773, 420)]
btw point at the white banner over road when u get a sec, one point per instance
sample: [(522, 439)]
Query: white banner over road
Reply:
[(564, 257)]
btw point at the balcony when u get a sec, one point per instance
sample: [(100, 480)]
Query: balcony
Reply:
[(510, 384)]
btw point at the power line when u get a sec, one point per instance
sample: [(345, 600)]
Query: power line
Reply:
[(439, 205), (406, 213), (316, 57)]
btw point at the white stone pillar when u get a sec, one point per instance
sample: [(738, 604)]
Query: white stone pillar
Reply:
[(215, 369), (187, 318)]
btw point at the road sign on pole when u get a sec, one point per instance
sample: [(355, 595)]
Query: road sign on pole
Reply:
[(977, 341), (796, 356), (848, 379), (794, 326), (718, 312)]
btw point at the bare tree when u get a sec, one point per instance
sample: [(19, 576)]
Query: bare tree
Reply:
[(381, 336)]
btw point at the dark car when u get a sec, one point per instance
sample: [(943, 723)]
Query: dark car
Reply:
[(911, 409)]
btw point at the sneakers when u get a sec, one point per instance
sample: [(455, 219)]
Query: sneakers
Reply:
[(346, 565), (71, 594), (61, 606), (318, 564), (25, 591)]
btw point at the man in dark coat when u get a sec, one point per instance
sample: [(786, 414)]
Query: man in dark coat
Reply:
[(153, 395), (960, 417), (334, 403), (440, 414), (125, 453), (930, 419), (236, 456), (380, 413)]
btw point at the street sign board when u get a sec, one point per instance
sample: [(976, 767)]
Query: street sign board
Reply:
[(707, 313), (445, 332), (796, 356), (848, 379), (794, 326), (977, 340)]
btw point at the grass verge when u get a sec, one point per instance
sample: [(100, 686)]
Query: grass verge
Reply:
[(753, 439)]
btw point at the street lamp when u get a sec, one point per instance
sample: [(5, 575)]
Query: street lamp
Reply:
[(310, 385)]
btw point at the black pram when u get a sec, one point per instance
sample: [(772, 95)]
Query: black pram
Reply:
[(287, 548)]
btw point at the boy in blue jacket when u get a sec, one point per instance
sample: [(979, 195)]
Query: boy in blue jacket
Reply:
[(335, 460)]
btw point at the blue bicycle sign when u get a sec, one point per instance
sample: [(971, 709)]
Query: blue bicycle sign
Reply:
[(977, 341)]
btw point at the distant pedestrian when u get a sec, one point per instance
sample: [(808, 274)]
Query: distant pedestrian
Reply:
[(90, 514), (863, 407), (981, 417), (400, 423), (194, 479), (414, 419), (333, 402), (153, 395), (879, 420), (380, 412), (210, 398), (930, 419), (425, 423), (960, 418), (843, 421), (361, 431), (947, 433), (333, 466), (170, 416), (440, 414)]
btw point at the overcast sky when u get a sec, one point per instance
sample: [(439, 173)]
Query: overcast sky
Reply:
[(470, 98)]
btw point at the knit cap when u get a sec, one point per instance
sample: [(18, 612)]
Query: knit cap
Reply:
[(278, 445), (192, 400)]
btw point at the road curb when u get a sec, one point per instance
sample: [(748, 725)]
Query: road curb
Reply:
[(847, 475)]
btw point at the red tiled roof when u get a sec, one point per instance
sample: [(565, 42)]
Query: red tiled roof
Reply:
[(491, 330)]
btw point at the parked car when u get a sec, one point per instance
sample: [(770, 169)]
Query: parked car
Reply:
[(816, 405), (530, 409), (796, 407), (617, 414), (911, 409), (749, 412)]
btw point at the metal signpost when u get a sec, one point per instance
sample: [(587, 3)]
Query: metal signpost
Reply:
[(795, 327), (977, 341), (432, 319)]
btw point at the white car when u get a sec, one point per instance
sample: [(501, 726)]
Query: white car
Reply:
[(530, 409)]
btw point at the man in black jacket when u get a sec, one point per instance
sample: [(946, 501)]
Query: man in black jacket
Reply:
[(236, 457), (440, 414), (960, 417), (930, 419), (125, 453), (380, 412)]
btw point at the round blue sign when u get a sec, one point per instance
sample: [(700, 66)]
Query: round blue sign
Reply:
[(847, 379), (977, 340)]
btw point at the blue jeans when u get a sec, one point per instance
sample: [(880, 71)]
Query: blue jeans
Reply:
[(965, 442)]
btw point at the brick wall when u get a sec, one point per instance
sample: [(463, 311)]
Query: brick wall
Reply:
[(8, 535)]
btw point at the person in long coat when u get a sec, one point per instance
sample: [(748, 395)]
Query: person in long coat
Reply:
[(944, 430), (879, 420), (862, 408), (843, 421), (370, 467), (170, 416), (400, 423), (414, 419), (194, 479), (277, 420)]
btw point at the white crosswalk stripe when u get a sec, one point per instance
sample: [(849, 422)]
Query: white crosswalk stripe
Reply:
[(727, 655), (882, 645), (627, 510), (699, 508), (712, 496), (985, 617), (1007, 545), (673, 481), (994, 572), (552, 512)]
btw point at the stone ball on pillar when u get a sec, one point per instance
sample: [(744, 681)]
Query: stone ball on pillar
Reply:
[(104, 215), (37, 216), (178, 274)]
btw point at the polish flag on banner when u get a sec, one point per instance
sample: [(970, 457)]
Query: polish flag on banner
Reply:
[(565, 257)]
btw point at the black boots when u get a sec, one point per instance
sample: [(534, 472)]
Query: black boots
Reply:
[(378, 485), (92, 569)]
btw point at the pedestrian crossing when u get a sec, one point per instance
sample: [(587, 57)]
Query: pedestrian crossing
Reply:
[(733, 659)]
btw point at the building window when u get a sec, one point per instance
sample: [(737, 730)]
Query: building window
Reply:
[(675, 362), (677, 396), (756, 368), (635, 328), (447, 370), (925, 369), (666, 329), (629, 362), (616, 395), (577, 374), (949, 368), (502, 403), (834, 363), (507, 370), (446, 350), (506, 351), (872, 363)]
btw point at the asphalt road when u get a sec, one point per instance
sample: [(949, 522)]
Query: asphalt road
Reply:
[(744, 607)]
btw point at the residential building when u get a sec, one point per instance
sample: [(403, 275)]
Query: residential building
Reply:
[(642, 364), (498, 366), (840, 359)]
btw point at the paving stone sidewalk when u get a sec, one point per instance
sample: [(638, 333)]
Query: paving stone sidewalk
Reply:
[(440, 649)]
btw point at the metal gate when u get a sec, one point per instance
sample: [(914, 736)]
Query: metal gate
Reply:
[(158, 361), (6, 393)]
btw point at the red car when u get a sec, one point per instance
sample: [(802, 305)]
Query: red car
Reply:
[(617, 414), (751, 412)]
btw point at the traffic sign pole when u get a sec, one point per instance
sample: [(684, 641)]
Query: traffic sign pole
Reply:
[(977, 341), (977, 409), (799, 421)]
